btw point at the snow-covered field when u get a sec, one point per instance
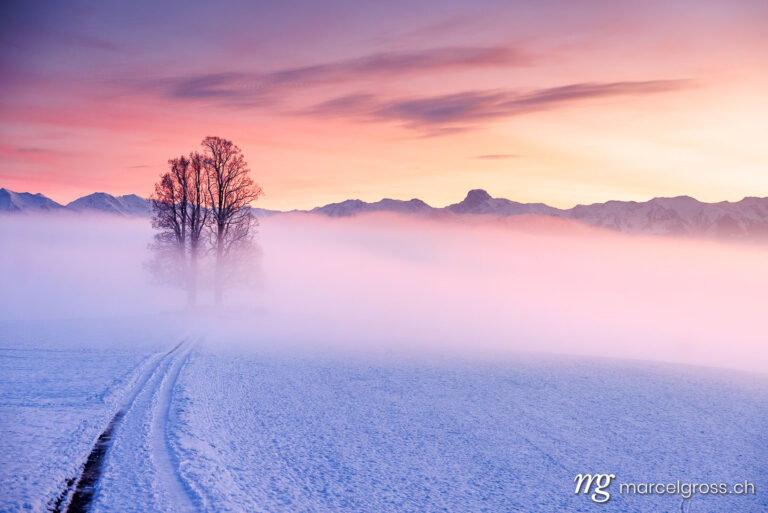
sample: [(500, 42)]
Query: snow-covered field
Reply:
[(380, 366), (60, 383), (292, 435), (212, 429)]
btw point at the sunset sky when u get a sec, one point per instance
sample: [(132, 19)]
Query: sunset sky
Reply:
[(560, 102)]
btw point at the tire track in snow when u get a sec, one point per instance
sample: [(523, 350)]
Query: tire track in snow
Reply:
[(85, 488), (176, 493)]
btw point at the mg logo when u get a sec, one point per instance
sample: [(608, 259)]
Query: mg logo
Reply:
[(601, 482)]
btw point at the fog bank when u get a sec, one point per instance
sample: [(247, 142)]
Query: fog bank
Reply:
[(385, 283)]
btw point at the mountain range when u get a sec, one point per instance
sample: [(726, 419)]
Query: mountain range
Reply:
[(130, 205), (681, 215)]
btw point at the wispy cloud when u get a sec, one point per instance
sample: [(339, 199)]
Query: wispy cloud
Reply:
[(462, 110), (361, 104), (243, 86), (25, 154)]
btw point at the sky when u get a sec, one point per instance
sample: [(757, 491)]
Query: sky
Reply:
[(552, 101)]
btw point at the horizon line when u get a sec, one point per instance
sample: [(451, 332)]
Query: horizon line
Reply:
[(414, 198)]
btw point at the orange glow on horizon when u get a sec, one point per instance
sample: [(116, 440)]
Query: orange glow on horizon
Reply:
[(627, 104)]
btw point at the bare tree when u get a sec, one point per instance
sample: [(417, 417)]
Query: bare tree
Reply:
[(179, 214), (169, 212), (198, 216), (230, 191)]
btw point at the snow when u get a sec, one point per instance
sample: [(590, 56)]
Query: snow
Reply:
[(55, 398), (140, 472), (290, 435), (379, 366), (128, 205), (11, 201), (745, 220), (251, 429)]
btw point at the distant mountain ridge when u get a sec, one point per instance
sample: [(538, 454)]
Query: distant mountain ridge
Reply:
[(356, 206), (681, 215), (479, 201), (129, 205), (11, 201)]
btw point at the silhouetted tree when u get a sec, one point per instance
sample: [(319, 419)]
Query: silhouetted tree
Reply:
[(230, 191), (179, 214), (198, 216)]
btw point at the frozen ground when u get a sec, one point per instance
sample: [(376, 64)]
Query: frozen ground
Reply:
[(209, 429), (60, 383)]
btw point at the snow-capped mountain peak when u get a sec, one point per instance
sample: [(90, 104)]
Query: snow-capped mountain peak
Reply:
[(679, 215), (128, 205), (11, 201), (356, 206)]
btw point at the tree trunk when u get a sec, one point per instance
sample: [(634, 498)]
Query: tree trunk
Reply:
[(192, 279), (218, 285)]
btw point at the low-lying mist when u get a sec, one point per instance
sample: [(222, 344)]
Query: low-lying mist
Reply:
[(384, 284)]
